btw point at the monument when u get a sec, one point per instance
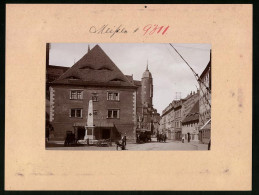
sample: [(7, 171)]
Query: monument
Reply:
[(89, 128)]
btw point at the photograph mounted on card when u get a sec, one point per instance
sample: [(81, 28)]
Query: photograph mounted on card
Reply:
[(92, 105), (128, 97)]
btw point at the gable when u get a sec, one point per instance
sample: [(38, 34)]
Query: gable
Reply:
[(95, 68)]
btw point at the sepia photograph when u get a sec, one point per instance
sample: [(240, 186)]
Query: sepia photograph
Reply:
[(121, 98), (128, 96)]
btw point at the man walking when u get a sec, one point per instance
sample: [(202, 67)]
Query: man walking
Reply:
[(124, 140)]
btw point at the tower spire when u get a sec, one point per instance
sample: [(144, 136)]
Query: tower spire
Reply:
[(147, 65)]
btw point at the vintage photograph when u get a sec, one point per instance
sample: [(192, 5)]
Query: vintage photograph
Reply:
[(128, 96)]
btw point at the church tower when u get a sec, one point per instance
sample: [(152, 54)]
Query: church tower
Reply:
[(147, 89)]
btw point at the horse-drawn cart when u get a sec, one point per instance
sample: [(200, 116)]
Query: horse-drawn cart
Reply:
[(161, 137), (143, 135)]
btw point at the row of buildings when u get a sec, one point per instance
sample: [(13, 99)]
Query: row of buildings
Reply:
[(190, 117), (121, 105)]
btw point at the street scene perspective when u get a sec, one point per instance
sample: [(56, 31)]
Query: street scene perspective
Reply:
[(113, 96)]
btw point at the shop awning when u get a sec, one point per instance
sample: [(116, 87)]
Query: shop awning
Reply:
[(103, 124), (78, 124), (96, 124)]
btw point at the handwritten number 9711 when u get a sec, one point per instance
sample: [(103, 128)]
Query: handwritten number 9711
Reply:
[(151, 29)]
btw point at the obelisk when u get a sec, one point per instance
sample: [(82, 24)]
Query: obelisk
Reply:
[(89, 128)]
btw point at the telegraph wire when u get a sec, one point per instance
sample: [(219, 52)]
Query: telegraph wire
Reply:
[(198, 79), (194, 73)]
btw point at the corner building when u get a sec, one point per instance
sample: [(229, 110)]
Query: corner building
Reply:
[(120, 104)]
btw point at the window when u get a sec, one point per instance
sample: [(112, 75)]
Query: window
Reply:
[(76, 95), (94, 97), (113, 114), (76, 112), (113, 96), (95, 112)]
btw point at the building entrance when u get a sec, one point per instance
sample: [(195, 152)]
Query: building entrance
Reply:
[(106, 134), (80, 133)]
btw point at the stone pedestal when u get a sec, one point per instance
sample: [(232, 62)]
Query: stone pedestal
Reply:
[(195, 138), (90, 131)]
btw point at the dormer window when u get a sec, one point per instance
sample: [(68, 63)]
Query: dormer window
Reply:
[(87, 68), (105, 68), (72, 78), (116, 79)]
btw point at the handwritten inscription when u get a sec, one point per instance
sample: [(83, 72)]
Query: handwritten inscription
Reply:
[(150, 29), (105, 29)]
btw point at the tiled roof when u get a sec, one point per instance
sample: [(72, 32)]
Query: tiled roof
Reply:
[(57, 67), (130, 78), (193, 114), (94, 68), (138, 83)]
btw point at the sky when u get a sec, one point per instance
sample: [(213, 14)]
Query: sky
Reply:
[(170, 73)]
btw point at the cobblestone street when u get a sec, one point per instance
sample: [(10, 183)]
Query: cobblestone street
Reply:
[(169, 145)]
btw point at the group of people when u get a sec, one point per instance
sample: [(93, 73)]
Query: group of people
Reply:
[(143, 137), (161, 137)]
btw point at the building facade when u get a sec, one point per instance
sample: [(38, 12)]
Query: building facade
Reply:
[(205, 105), (190, 124), (175, 113), (167, 121), (178, 116), (121, 105)]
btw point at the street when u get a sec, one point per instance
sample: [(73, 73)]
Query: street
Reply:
[(155, 146)]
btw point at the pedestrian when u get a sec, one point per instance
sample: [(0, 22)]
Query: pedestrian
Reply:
[(124, 140), (183, 139), (189, 137), (209, 145)]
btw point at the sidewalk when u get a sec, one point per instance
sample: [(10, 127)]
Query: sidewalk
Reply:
[(198, 145), (52, 143)]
